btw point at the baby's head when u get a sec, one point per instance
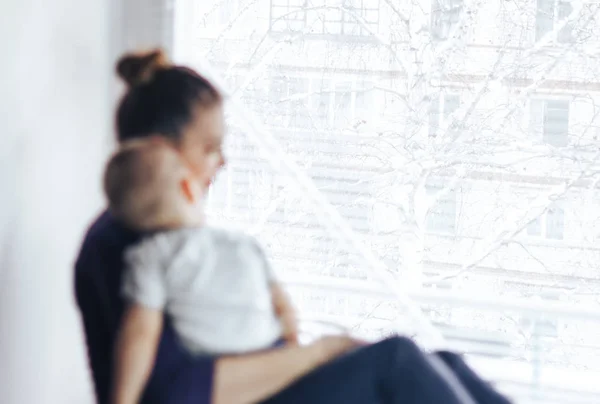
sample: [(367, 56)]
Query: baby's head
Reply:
[(149, 186)]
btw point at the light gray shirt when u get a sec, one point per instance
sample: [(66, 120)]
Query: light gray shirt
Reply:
[(215, 285)]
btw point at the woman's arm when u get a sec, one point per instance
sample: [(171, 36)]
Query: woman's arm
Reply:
[(255, 377), (135, 353)]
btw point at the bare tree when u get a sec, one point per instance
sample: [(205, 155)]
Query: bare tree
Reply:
[(464, 131)]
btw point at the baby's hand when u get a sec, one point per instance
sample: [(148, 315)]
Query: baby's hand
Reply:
[(291, 339), (286, 313), (289, 325)]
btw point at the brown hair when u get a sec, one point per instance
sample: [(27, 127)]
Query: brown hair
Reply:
[(138, 68), (161, 98)]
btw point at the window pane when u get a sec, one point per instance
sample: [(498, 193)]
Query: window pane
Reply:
[(451, 104), (352, 29), (534, 228), (372, 16), (444, 15), (287, 16), (565, 9), (544, 19), (434, 116), (556, 123), (333, 28), (555, 225), (298, 95), (342, 107), (320, 102), (442, 215)]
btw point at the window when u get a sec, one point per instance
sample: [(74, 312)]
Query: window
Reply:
[(445, 14), (542, 326), (440, 109), (351, 102), (550, 119), (288, 97), (550, 225), (351, 17), (288, 15), (441, 217), (320, 101), (227, 11), (549, 14), (342, 106), (317, 103)]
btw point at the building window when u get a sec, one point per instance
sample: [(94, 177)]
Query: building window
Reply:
[(550, 119), (227, 11), (541, 325), (441, 217), (445, 14), (549, 14), (352, 17), (342, 104), (550, 225), (440, 110), (288, 97), (318, 103), (288, 15)]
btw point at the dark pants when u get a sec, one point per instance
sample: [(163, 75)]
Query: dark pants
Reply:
[(393, 371)]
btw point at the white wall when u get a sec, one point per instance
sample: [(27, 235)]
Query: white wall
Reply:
[(55, 106)]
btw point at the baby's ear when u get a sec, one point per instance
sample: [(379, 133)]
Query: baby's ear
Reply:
[(187, 187)]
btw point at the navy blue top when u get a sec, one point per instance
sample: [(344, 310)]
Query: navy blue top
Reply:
[(177, 376)]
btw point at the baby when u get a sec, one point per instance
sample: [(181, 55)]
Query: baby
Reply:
[(217, 287)]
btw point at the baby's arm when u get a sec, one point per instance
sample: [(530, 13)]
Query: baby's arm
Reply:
[(144, 288), (282, 304), (135, 352), (286, 313)]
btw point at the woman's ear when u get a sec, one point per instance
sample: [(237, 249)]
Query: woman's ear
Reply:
[(188, 190)]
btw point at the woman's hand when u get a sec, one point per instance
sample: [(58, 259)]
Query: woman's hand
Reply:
[(330, 347)]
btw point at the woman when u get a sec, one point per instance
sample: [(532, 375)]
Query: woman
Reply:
[(180, 104)]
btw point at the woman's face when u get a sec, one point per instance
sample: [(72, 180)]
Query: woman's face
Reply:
[(201, 144)]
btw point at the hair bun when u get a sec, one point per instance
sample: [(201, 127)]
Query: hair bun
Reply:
[(138, 68)]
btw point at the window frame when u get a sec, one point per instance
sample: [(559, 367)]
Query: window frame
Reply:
[(443, 19), (438, 115), (563, 36), (451, 196), (538, 123), (543, 221), (322, 16), (315, 92)]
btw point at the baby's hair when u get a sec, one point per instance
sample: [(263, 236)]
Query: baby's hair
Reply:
[(141, 183)]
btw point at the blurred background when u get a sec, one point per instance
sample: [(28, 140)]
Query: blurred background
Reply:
[(428, 167)]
